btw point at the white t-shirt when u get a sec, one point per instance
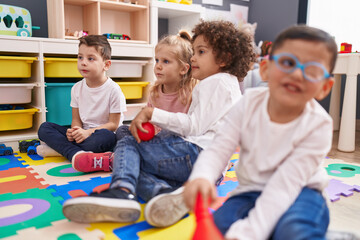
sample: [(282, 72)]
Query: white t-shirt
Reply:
[(211, 100), (96, 104), (276, 159)]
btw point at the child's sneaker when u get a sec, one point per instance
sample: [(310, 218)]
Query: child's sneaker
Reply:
[(92, 162), (111, 205), (166, 209)]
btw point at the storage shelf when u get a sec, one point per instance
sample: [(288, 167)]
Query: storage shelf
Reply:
[(179, 16), (99, 17), (122, 6), (61, 48), (173, 10)]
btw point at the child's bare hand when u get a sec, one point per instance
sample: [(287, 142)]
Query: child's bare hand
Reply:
[(80, 134), (201, 185), (142, 117), (69, 136)]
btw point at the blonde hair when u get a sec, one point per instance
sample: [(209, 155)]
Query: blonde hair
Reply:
[(182, 48)]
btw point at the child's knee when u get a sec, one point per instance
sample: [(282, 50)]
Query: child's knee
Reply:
[(43, 129), (293, 228)]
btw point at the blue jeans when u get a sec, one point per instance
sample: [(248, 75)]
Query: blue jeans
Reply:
[(122, 131), (54, 136), (307, 218), (160, 165)]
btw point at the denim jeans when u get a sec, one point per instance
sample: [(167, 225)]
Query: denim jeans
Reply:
[(307, 218), (54, 136), (122, 131), (162, 164)]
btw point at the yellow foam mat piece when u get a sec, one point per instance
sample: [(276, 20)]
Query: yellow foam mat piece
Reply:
[(46, 160), (182, 230)]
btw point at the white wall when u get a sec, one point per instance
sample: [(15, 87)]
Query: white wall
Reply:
[(340, 18)]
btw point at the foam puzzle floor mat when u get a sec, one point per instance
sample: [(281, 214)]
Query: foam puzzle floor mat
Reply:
[(33, 189)]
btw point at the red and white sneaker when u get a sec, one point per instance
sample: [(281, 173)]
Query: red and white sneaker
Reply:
[(92, 162)]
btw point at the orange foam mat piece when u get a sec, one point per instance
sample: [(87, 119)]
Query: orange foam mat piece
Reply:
[(16, 180)]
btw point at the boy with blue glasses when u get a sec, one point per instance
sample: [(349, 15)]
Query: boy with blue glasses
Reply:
[(284, 135)]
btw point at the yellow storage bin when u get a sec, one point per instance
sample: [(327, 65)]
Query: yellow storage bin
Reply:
[(132, 90), (61, 68), (15, 67), (16, 119)]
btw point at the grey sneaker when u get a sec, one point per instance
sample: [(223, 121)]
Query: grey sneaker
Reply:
[(166, 209), (111, 205)]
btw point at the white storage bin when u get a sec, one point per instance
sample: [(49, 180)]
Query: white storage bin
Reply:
[(133, 110), (16, 93), (126, 68)]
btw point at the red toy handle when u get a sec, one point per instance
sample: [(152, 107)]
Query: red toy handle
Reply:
[(205, 226)]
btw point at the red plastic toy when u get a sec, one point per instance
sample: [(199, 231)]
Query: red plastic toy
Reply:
[(147, 136), (345, 48), (205, 226)]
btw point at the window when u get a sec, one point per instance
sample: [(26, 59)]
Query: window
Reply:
[(340, 18)]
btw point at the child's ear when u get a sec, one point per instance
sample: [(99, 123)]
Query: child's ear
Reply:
[(185, 69), (107, 65), (264, 69), (326, 88)]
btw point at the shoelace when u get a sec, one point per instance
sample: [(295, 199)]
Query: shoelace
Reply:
[(98, 162), (111, 162)]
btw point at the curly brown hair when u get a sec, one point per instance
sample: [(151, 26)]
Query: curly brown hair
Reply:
[(230, 45)]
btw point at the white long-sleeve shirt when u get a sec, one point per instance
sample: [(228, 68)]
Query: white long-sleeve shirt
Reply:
[(276, 159), (211, 100)]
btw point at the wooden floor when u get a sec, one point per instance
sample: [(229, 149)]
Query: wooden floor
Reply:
[(345, 213)]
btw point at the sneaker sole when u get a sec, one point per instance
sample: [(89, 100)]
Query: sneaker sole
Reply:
[(158, 214), (91, 209)]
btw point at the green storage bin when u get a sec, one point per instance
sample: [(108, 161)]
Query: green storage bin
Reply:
[(57, 99)]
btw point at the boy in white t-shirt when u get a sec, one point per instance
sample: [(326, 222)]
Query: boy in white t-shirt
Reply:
[(97, 105), (284, 135)]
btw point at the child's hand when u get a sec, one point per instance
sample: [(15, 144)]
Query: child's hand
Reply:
[(142, 117), (201, 185), (69, 136), (80, 134)]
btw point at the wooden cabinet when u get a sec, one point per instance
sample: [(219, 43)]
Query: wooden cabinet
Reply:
[(98, 17)]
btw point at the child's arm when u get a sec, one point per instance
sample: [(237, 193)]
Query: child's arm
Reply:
[(211, 100), (80, 134), (297, 171), (76, 121), (211, 161)]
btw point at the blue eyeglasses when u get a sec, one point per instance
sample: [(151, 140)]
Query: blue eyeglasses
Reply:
[(312, 71)]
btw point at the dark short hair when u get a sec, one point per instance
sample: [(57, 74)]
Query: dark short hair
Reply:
[(230, 45), (303, 32), (100, 43)]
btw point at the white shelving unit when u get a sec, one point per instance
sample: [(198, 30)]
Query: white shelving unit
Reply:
[(179, 16), (41, 47)]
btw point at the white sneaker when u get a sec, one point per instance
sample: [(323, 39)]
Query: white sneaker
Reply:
[(166, 209), (111, 205), (46, 151)]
